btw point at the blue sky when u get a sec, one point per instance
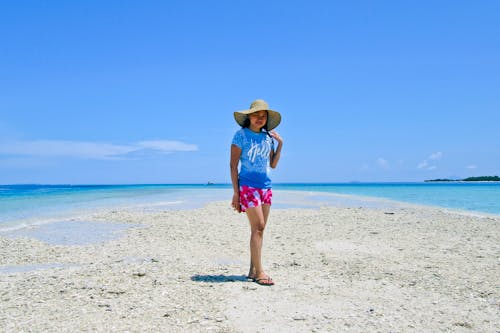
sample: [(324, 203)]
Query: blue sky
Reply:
[(95, 92)]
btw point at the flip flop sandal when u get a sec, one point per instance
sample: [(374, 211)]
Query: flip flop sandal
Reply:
[(268, 279)]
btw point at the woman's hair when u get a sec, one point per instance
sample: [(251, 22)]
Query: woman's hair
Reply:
[(246, 123)]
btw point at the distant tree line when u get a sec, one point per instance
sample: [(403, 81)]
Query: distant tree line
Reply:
[(469, 179), (482, 179)]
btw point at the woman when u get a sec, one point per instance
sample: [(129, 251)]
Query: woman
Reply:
[(253, 148)]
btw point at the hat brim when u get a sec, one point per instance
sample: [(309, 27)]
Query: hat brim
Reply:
[(273, 117)]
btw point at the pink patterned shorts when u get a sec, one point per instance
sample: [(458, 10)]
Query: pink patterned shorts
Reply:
[(253, 197)]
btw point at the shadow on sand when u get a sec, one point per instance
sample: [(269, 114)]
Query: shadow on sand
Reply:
[(219, 278)]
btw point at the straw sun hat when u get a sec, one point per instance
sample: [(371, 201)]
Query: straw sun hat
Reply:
[(273, 117)]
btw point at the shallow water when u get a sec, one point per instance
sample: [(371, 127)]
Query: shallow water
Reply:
[(473, 196), (22, 206), (71, 233)]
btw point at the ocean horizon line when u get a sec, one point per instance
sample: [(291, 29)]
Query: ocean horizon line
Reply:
[(275, 183)]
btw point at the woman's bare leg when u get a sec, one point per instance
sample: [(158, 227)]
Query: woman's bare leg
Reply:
[(258, 219)]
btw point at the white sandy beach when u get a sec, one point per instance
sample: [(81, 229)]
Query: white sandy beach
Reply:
[(406, 269)]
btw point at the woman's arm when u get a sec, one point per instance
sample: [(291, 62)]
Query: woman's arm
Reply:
[(235, 159), (275, 155)]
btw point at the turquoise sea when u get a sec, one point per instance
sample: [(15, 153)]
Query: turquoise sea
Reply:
[(23, 205)]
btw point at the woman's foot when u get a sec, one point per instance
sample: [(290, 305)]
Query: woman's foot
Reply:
[(264, 280)]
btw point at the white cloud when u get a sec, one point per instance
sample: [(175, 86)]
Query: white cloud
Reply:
[(423, 165), (167, 146), (436, 156), (471, 167), (89, 150), (433, 157)]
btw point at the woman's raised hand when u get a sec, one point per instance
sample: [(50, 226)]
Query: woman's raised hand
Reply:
[(276, 136)]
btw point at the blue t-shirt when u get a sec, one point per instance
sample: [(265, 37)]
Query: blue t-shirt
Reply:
[(255, 150)]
